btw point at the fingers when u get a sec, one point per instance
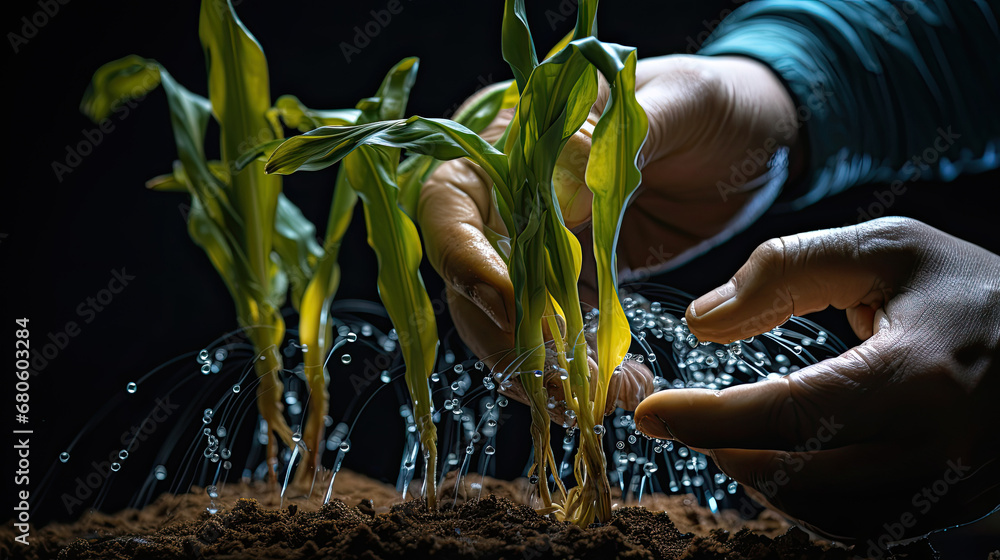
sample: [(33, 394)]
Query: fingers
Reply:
[(818, 402), (455, 206), (798, 274), (892, 491)]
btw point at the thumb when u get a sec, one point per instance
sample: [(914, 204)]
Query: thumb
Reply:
[(799, 274)]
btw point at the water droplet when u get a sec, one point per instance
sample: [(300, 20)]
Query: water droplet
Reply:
[(206, 419), (502, 401), (236, 388), (221, 432), (345, 447), (538, 373), (731, 488), (631, 439), (720, 478), (459, 368), (385, 378), (123, 454), (131, 387), (115, 467), (489, 450), (209, 412), (227, 465), (480, 365), (796, 349), (650, 468), (297, 437), (455, 386), (207, 431), (64, 456), (469, 449), (346, 359), (160, 472), (206, 369), (563, 374), (599, 429), (226, 453), (533, 479), (491, 423), (221, 354), (203, 356), (214, 458), (212, 492), (620, 445)]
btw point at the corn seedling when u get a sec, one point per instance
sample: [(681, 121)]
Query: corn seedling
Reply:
[(255, 238), (544, 259)]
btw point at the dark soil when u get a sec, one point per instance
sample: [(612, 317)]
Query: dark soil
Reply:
[(494, 527)]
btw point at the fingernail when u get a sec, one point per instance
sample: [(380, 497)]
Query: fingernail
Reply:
[(488, 299), (706, 303), (655, 427)]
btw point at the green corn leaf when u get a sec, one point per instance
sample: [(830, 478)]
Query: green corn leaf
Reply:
[(118, 81), (613, 176), (394, 93), (439, 138), (517, 46), (296, 115), (240, 99), (414, 170), (586, 19), (393, 237), (295, 242)]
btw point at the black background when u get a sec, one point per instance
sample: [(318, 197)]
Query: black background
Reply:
[(63, 238)]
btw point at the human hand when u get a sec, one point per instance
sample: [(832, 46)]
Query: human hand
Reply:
[(890, 440), (706, 114)]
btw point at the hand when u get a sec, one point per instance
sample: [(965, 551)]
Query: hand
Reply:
[(706, 115), (894, 438)]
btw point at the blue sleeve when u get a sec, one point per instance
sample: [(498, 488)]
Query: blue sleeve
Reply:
[(885, 90)]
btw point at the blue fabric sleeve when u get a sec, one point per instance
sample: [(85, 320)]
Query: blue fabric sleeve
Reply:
[(885, 90)]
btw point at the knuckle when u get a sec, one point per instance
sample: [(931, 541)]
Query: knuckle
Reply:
[(770, 255)]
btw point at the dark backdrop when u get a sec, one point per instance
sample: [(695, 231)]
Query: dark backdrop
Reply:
[(63, 236)]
